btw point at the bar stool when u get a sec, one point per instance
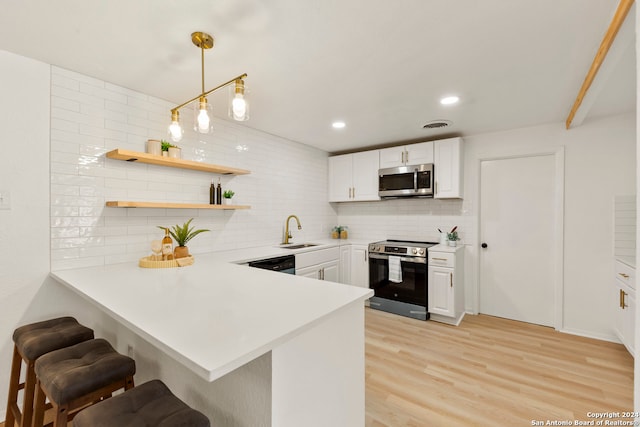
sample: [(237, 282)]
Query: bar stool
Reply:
[(149, 404), (30, 342), (76, 376)]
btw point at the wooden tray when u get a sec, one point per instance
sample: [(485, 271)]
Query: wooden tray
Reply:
[(147, 262)]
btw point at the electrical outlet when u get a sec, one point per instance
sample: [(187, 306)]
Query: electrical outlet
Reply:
[(5, 200)]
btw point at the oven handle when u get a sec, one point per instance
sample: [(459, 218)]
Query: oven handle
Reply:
[(386, 257)]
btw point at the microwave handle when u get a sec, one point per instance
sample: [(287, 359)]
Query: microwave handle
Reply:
[(415, 180)]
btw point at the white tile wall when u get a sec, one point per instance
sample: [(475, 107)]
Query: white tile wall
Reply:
[(407, 219), (625, 226), (90, 117)]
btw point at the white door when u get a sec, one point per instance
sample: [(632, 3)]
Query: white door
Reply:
[(517, 214), (331, 271), (448, 168), (391, 157), (360, 266)]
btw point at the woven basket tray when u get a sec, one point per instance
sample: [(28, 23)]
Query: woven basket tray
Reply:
[(147, 262)]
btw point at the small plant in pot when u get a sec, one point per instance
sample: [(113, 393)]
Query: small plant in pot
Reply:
[(228, 195), (182, 234), (452, 236)]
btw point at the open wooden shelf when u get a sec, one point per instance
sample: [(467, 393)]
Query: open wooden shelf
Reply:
[(134, 156), (168, 205)]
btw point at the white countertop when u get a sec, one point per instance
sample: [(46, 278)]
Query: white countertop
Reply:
[(213, 316), (629, 260)]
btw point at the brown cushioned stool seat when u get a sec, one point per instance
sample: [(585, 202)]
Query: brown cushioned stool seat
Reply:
[(75, 376), (149, 405), (32, 341)]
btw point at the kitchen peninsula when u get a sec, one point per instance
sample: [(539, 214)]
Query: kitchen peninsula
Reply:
[(214, 317)]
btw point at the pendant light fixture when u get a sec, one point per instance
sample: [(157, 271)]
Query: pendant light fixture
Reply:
[(203, 112)]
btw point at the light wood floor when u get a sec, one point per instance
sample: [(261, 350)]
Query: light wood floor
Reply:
[(488, 372)]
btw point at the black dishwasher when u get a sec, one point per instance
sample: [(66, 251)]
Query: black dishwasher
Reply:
[(283, 264)]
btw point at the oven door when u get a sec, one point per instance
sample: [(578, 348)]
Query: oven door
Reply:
[(412, 289)]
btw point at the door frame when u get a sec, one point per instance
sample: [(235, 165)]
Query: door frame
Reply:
[(558, 220)]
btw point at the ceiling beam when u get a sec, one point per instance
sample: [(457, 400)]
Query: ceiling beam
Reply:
[(607, 41)]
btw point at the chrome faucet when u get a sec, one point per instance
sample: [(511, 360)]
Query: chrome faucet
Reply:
[(287, 233)]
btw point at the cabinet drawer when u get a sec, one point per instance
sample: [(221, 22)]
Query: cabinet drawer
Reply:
[(306, 259), (625, 274), (443, 259)]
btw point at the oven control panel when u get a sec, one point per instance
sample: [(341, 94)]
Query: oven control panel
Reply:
[(393, 248)]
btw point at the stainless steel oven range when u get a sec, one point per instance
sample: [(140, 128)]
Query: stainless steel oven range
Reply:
[(398, 276)]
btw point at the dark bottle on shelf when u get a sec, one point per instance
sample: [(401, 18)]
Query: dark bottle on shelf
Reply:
[(212, 193), (219, 193)]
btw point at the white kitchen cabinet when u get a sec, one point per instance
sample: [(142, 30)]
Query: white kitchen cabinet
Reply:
[(322, 264), (354, 177), (448, 168), (354, 265), (625, 300), (413, 154), (446, 284)]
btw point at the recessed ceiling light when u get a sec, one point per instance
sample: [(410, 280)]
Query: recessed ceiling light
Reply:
[(338, 125), (449, 100)]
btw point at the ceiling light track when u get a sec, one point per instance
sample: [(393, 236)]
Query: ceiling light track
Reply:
[(238, 106)]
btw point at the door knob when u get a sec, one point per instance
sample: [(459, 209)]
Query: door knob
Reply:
[(484, 246)]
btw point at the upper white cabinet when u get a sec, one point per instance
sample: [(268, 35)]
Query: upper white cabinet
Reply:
[(448, 168), (354, 177), (414, 154)]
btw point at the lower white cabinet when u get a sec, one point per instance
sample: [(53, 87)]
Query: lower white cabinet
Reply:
[(322, 264), (625, 300), (354, 265), (446, 284)]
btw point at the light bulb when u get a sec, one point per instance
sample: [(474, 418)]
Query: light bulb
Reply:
[(203, 121), (239, 106), (203, 114), (175, 131)]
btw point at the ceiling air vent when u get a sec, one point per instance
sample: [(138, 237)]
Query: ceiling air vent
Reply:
[(435, 124)]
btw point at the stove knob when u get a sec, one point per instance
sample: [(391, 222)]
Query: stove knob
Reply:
[(421, 251), (414, 251)]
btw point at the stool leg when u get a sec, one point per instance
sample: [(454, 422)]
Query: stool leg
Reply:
[(29, 391), (39, 406), (14, 386), (61, 416)]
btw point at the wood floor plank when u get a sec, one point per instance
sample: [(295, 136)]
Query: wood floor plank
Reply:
[(488, 371)]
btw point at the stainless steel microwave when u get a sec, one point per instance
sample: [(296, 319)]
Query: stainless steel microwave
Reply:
[(406, 181)]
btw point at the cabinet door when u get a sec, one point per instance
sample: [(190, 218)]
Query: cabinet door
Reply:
[(448, 168), (628, 320), (312, 272), (360, 266), (391, 157), (340, 173), (331, 271), (618, 317), (345, 264), (365, 175), (418, 154), (441, 282)]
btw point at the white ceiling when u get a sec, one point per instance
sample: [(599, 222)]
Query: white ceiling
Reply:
[(381, 66)]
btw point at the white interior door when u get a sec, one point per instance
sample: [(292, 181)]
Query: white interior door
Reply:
[(517, 214)]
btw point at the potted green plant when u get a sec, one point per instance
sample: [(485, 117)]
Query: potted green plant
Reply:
[(182, 234), (228, 195), (452, 236), (169, 149)]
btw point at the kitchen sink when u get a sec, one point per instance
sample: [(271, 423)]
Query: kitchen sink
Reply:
[(299, 246)]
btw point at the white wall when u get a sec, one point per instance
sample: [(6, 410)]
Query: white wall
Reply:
[(599, 163), (91, 117), (24, 173)]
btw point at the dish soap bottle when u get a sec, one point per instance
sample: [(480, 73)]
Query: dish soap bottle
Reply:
[(212, 194), (167, 246), (219, 193)]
